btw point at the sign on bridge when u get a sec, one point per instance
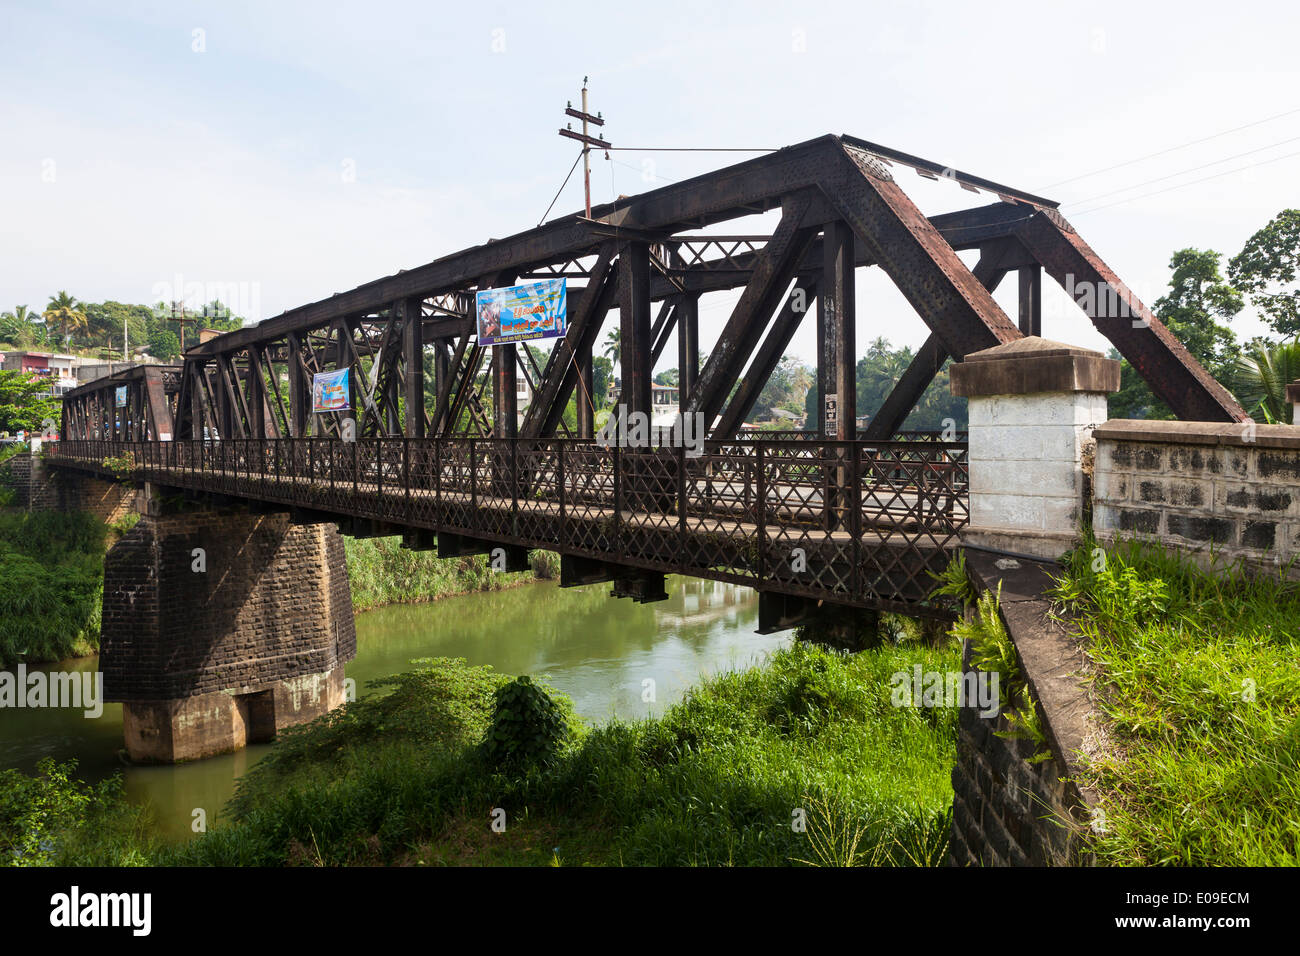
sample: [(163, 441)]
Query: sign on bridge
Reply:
[(518, 313)]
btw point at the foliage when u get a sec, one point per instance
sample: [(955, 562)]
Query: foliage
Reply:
[(877, 373), (1197, 675), (51, 564), (955, 582), (1265, 268), (64, 316), (400, 778), (1262, 377), (50, 818), (164, 344), (25, 402), (992, 650), (528, 728), (382, 572), (1197, 302)]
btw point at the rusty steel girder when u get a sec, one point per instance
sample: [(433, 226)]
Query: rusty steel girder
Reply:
[(842, 209)]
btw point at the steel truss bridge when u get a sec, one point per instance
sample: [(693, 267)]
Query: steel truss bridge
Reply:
[(440, 445)]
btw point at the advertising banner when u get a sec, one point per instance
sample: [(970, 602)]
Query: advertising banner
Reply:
[(329, 391), (120, 394), (518, 313)]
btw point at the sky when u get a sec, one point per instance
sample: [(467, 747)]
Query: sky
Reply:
[(275, 153)]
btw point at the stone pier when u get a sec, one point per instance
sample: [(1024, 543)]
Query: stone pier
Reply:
[(222, 627)]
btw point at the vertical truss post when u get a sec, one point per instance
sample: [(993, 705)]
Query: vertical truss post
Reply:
[(1031, 300), (688, 346), (505, 400), (836, 359), (299, 388), (584, 398), (634, 325), (413, 362)]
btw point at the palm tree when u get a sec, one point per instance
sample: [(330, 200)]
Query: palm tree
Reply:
[(1262, 377), (64, 314), (613, 345)]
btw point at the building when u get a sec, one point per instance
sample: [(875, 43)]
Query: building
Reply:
[(60, 370)]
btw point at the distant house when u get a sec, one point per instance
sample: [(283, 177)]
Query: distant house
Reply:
[(60, 370)]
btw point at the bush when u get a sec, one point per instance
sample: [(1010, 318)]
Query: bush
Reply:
[(528, 728)]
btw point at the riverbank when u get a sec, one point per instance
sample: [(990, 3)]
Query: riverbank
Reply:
[(801, 760), (51, 564), (382, 572)]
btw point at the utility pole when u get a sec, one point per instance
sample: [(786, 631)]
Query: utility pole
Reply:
[(586, 140)]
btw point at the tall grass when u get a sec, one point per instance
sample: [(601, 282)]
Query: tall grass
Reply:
[(1200, 682), (51, 572), (383, 572), (720, 779)]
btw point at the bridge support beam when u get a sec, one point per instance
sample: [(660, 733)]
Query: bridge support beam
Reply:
[(221, 628)]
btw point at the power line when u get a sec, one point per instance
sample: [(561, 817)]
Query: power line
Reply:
[(561, 189), (694, 149), (1181, 172), (1171, 149), (1193, 182)]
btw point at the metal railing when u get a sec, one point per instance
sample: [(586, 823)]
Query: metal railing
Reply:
[(851, 522)]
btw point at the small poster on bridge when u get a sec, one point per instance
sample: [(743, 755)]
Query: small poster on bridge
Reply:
[(119, 396), (329, 391), (518, 313)]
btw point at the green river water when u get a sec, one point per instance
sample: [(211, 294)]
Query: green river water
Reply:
[(598, 650)]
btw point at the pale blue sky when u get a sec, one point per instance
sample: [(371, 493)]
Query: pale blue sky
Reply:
[(229, 165)]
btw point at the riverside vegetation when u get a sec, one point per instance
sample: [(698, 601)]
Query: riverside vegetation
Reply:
[(413, 776)]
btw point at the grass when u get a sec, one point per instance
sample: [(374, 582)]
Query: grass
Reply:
[(400, 778), (382, 572), (1199, 680), (51, 566)]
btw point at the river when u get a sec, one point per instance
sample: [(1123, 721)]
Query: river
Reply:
[(614, 658)]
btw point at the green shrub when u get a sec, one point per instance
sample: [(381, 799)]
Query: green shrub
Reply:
[(528, 728)]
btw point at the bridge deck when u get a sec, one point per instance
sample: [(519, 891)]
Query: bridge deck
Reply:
[(857, 523)]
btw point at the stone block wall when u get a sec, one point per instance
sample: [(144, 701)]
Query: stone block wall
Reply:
[(41, 488), (205, 661), (1199, 486), (273, 603), (1007, 811)]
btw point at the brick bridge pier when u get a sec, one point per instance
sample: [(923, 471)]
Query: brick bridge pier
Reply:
[(222, 626)]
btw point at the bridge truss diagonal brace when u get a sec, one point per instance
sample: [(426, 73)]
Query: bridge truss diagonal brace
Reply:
[(767, 358), (924, 267), (773, 270), (1163, 362)]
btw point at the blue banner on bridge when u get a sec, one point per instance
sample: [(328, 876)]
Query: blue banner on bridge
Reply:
[(329, 391), (518, 313)]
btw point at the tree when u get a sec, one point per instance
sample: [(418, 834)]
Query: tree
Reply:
[(613, 345), (1198, 297), (602, 373), (107, 320), (25, 402), (1262, 377), (64, 316), (1266, 266), (667, 377), (164, 344)]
